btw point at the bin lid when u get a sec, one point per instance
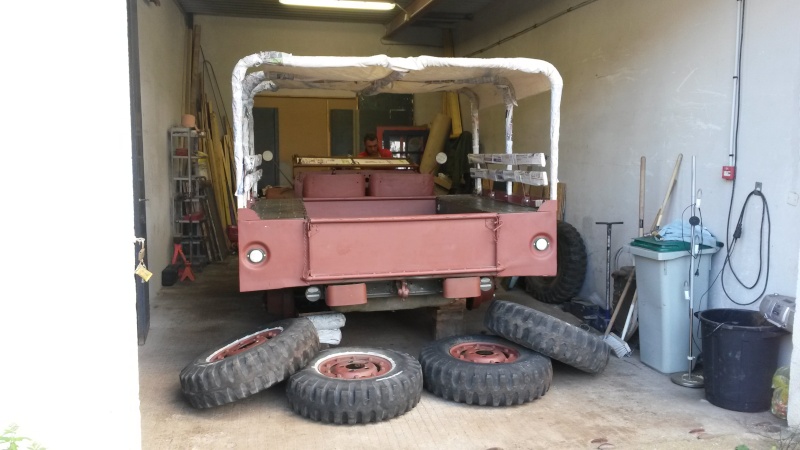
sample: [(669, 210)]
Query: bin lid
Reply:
[(650, 243), (651, 248)]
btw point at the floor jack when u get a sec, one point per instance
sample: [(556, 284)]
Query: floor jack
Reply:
[(184, 271)]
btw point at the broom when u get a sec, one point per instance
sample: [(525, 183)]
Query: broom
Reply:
[(617, 344), (661, 210)]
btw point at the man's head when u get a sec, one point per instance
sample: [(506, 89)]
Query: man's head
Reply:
[(371, 145)]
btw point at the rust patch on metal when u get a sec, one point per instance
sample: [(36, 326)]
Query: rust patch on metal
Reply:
[(242, 345), (354, 366), (484, 353)]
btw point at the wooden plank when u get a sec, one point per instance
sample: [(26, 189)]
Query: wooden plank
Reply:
[(215, 171), (280, 302), (218, 182), (187, 73), (197, 71), (449, 319), (225, 163), (562, 200), (228, 148), (218, 238), (437, 140), (412, 11), (543, 192)]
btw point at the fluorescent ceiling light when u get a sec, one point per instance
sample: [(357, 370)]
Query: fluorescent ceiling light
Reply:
[(346, 4)]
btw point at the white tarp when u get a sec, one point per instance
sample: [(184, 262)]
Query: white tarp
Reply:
[(492, 81)]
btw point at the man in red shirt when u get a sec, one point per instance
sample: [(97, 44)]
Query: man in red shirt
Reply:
[(372, 149)]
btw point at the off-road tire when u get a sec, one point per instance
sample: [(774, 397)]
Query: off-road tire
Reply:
[(316, 394), (571, 271), (548, 335), (247, 365), (462, 379)]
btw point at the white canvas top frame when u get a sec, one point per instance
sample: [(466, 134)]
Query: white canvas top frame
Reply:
[(485, 81)]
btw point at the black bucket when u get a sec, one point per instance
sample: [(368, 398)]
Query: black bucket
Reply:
[(740, 355)]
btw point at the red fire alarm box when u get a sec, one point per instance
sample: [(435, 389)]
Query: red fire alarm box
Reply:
[(728, 172)]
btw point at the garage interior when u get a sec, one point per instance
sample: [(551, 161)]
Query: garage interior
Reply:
[(679, 83), (628, 405)]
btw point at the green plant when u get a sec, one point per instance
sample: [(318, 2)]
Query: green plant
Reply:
[(782, 438), (789, 439), (10, 441)]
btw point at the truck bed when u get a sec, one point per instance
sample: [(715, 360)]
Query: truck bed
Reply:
[(341, 240)]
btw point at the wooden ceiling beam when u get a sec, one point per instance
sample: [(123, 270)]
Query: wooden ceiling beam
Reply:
[(406, 17)]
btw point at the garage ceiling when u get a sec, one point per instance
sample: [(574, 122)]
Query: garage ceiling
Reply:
[(422, 13)]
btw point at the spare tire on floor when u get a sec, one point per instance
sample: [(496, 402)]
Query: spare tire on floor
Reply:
[(571, 271), (548, 335), (242, 367), (350, 385), (484, 370)]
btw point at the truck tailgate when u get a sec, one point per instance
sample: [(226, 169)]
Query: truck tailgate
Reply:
[(459, 241)]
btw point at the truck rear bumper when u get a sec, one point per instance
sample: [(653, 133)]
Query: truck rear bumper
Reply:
[(465, 236)]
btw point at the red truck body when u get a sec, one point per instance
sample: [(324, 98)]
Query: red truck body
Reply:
[(349, 237)]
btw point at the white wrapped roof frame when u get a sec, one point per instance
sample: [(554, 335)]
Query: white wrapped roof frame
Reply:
[(493, 81)]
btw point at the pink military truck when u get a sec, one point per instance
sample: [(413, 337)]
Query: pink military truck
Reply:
[(364, 235)]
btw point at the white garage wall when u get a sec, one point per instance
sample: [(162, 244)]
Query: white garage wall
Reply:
[(654, 79), (163, 39)]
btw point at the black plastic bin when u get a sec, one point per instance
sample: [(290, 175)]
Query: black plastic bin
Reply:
[(740, 356)]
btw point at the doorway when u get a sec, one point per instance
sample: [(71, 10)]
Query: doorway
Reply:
[(139, 198), (265, 137), (384, 110)]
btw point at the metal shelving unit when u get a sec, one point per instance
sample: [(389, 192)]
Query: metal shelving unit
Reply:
[(189, 216)]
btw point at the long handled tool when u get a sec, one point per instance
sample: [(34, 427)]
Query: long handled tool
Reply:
[(660, 213), (618, 346), (642, 171), (631, 320), (608, 265)]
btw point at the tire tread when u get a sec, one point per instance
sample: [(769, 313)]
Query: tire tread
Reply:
[(239, 376), (572, 261), (508, 384), (356, 401), (548, 335)]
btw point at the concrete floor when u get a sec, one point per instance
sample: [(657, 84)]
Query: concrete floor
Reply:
[(628, 406)]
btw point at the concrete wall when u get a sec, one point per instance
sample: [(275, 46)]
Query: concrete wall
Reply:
[(163, 38), (653, 79), (225, 40), (794, 381)]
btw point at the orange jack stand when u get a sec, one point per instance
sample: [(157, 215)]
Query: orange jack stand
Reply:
[(185, 271)]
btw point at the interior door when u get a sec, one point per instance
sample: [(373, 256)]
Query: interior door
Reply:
[(384, 110), (342, 126), (139, 199), (265, 137)]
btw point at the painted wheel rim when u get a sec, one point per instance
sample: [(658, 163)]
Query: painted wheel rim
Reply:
[(354, 366), (244, 344), (484, 353)]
